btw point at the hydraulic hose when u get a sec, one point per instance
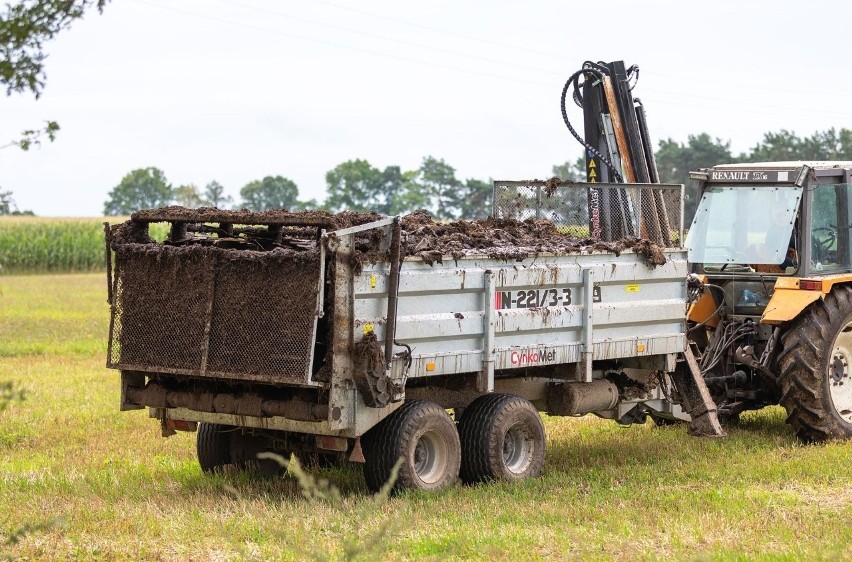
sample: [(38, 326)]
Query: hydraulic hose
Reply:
[(595, 71)]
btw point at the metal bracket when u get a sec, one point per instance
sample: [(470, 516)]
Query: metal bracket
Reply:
[(485, 380), (588, 324)]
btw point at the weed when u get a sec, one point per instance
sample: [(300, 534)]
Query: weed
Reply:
[(8, 394), (18, 534), (354, 540)]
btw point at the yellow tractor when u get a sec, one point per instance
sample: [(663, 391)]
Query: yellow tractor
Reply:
[(770, 318)]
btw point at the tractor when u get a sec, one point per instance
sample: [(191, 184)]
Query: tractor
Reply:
[(770, 318)]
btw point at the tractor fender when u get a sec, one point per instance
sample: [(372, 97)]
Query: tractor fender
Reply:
[(789, 299)]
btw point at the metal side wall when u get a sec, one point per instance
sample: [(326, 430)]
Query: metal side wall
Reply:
[(478, 313)]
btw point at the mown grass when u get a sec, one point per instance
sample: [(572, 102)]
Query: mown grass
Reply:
[(55, 245), (607, 492)]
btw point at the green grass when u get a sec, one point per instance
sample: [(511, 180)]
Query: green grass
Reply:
[(55, 245), (607, 492)]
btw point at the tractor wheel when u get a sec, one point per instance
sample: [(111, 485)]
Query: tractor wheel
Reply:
[(424, 436), (502, 439), (213, 444), (816, 369)]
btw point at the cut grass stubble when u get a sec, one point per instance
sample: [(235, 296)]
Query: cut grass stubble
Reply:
[(67, 453)]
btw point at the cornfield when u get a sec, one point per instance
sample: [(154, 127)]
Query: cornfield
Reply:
[(54, 245)]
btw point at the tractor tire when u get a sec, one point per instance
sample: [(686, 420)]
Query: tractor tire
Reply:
[(815, 367), (424, 436), (213, 444), (502, 438)]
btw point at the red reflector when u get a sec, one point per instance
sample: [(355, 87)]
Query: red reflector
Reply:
[(330, 443), (810, 284), (181, 425)]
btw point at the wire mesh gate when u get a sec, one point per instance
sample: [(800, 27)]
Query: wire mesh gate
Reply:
[(214, 313), (600, 211)]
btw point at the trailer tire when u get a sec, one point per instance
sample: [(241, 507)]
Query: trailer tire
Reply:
[(213, 444), (424, 436), (816, 369), (502, 438)]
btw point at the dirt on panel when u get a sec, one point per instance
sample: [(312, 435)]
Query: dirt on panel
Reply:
[(234, 293)]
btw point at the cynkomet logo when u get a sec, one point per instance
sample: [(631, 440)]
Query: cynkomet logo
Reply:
[(531, 357)]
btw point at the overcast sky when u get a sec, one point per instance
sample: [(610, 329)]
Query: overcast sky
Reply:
[(234, 90)]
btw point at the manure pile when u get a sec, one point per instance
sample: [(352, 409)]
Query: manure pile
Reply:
[(430, 240)]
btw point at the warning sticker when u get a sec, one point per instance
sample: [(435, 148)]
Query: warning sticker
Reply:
[(632, 288)]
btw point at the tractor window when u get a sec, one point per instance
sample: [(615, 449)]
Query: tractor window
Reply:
[(830, 224), (742, 228)]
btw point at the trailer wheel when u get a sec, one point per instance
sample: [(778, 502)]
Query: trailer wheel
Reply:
[(213, 444), (425, 437), (502, 439), (816, 369)]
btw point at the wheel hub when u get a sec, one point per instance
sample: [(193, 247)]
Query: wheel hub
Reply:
[(430, 457), (839, 381), (517, 449)]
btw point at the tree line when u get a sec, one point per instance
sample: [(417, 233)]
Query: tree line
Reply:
[(676, 159), (357, 185), (354, 185)]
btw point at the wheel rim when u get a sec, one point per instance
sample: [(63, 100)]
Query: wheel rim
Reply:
[(430, 457), (518, 446), (839, 380)]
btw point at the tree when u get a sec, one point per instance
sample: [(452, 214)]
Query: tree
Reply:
[(787, 146), (143, 188), (354, 185), (392, 191), (476, 199), (403, 192), (214, 195), (8, 206), (24, 28), (571, 171), (270, 193), (6, 203), (440, 186), (675, 161), (188, 196)]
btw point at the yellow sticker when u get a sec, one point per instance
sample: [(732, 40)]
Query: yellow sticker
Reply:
[(430, 366), (368, 329), (632, 288), (592, 164), (372, 281)]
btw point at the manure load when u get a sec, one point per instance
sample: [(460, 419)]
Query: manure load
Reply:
[(350, 336)]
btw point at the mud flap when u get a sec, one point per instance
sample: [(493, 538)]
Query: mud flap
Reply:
[(696, 398)]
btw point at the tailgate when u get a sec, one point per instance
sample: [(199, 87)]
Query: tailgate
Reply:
[(220, 312)]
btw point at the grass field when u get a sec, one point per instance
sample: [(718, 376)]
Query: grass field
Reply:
[(120, 491)]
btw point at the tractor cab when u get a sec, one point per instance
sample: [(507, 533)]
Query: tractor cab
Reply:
[(758, 222)]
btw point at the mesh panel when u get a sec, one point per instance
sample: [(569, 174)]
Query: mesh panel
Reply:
[(601, 211), (211, 312)]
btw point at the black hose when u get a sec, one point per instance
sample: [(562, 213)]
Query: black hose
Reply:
[(574, 78)]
